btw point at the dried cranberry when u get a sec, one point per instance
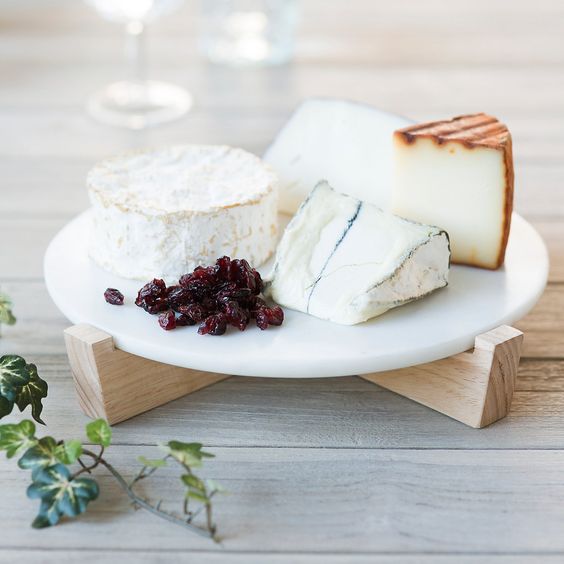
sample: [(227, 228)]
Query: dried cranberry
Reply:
[(266, 316), (259, 285), (113, 296), (239, 272), (185, 279), (236, 315), (177, 296), (213, 325), (155, 288), (254, 304), (208, 275), (224, 264), (209, 304), (167, 320), (152, 297), (231, 292), (196, 312), (275, 315), (199, 289), (226, 293), (158, 307), (183, 320)]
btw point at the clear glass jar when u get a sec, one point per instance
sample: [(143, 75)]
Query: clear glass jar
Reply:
[(248, 32)]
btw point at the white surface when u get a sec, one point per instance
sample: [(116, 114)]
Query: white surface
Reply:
[(346, 143), (443, 324), (347, 261)]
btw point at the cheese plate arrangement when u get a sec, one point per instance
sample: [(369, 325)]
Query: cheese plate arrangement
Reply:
[(396, 246)]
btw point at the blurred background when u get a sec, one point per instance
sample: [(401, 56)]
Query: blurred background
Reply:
[(424, 59)]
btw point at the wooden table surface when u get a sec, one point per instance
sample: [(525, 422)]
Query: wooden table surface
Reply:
[(334, 470)]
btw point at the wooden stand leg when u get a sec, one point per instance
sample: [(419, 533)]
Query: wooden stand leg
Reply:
[(474, 387), (117, 385)]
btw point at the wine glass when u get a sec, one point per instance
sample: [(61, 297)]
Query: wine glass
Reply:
[(138, 102), (248, 32)]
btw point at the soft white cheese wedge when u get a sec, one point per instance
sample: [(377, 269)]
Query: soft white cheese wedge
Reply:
[(163, 212), (458, 174), (347, 261), (346, 143)]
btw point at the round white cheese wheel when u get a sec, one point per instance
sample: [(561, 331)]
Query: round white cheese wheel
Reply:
[(161, 213)]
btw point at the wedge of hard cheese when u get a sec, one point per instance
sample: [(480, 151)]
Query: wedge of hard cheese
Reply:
[(458, 174), (347, 261)]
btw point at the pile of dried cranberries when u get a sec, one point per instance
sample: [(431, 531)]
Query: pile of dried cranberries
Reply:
[(227, 293)]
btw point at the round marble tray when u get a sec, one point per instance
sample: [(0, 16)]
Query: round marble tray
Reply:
[(438, 326)]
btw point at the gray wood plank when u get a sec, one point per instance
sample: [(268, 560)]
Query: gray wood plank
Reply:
[(346, 413), (380, 501), (164, 555), (541, 376)]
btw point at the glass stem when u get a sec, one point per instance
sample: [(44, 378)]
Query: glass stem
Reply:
[(136, 50)]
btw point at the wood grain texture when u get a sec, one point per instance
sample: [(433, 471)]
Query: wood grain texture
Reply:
[(318, 413), (117, 385), (383, 501), (336, 470), (474, 387), (164, 555)]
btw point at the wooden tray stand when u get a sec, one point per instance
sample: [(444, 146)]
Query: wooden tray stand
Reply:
[(474, 387)]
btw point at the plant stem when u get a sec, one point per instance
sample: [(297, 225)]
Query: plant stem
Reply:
[(142, 474), (97, 459), (209, 521), (86, 469), (209, 532)]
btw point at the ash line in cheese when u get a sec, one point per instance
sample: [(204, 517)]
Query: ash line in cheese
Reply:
[(346, 262), (350, 223)]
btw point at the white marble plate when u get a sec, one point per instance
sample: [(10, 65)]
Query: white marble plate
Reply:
[(438, 326)]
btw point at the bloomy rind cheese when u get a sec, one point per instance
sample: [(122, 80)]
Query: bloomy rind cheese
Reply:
[(161, 213), (471, 131)]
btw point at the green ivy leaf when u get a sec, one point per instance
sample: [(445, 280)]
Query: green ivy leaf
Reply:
[(6, 407), (189, 454), (202, 498), (99, 432), (152, 463), (60, 494), (14, 374), (17, 438), (32, 393), (6, 315), (43, 454), (213, 486), (69, 451), (193, 482)]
